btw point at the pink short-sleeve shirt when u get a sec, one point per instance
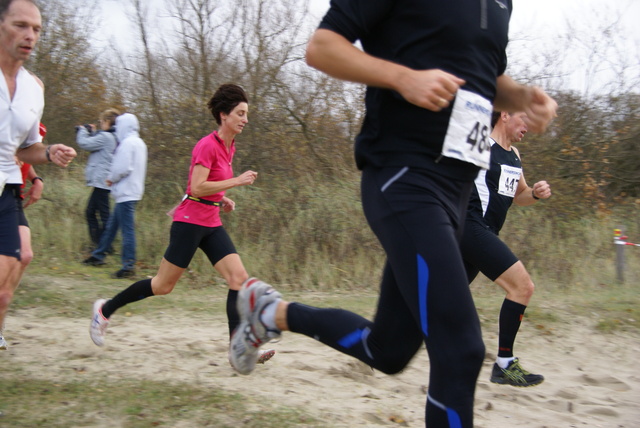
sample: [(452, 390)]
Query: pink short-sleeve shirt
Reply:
[(211, 153)]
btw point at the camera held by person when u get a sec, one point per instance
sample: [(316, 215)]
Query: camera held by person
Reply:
[(90, 128)]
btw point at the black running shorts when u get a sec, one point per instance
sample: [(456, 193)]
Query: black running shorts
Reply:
[(22, 219), (483, 251), (9, 221), (186, 238)]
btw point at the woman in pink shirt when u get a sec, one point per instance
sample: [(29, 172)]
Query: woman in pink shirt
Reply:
[(196, 221)]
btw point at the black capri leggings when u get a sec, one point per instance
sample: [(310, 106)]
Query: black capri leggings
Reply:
[(424, 294)]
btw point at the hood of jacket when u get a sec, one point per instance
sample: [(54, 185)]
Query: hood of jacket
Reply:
[(127, 125)]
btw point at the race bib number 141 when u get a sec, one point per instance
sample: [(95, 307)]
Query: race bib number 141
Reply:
[(467, 137)]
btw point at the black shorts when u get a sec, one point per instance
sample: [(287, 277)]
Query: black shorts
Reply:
[(483, 251), (186, 238), (22, 219), (10, 211)]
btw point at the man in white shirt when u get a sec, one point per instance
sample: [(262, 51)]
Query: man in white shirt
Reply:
[(21, 107)]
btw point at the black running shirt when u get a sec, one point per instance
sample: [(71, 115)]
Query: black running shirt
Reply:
[(495, 188), (467, 38)]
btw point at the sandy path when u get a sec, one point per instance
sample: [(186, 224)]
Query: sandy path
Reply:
[(591, 379)]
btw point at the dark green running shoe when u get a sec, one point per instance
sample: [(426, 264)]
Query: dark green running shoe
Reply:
[(515, 375)]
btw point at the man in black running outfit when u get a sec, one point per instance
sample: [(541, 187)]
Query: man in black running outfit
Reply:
[(483, 251), (435, 72)]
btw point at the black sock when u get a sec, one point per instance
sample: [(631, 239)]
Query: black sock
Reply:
[(511, 316), (136, 291), (232, 310)]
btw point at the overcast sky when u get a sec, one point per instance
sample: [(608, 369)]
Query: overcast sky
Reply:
[(548, 13), (542, 22)]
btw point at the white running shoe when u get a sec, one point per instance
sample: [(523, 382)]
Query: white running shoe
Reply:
[(253, 297), (265, 355), (4, 345), (99, 323)]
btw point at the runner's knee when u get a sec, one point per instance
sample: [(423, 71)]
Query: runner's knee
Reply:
[(392, 359), (477, 352), (26, 258), (392, 363), (162, 287), (529, 288), (470, 360), (5, 297), (235, 279), (524, 290)]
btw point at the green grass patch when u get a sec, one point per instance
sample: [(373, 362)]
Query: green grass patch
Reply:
[(613, 309), (607, 308), (28, 402), (62, 292), (72, 295)]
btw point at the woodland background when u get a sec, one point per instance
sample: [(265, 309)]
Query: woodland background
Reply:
[(301, 222)]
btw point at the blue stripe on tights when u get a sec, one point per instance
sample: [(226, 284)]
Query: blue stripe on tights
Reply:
[(452, 416), (351, 339), (423, 286), (454, 419)]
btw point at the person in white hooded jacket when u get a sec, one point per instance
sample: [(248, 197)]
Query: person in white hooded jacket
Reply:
[(126, 178)]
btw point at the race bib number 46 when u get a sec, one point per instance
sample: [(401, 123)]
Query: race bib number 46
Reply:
[(467, 137)]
